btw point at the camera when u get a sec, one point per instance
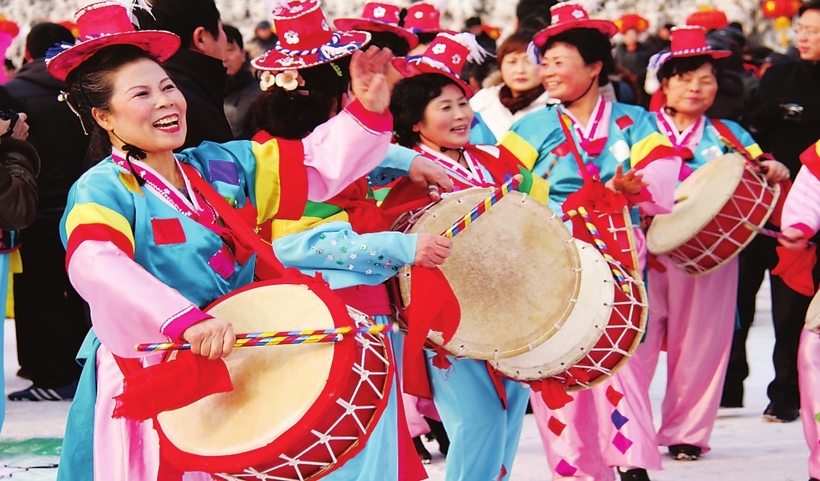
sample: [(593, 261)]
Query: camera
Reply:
[(792, 111), (9, 115)]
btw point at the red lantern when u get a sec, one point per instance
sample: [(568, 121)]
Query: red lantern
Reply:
[(782, 11), (708, 19), (9, 27)]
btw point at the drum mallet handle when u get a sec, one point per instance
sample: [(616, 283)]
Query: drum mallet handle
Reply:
[(275, 338), (484, 206), (743, 153), (768, 232)]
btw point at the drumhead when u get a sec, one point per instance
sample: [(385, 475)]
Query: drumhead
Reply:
[(278, 384), (581, 330), (813, 314), (514, 270), (704, 194)]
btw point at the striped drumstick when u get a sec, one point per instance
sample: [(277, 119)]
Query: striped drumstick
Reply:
[(478, 210), (275, 338), (604, 250), (768, 232)]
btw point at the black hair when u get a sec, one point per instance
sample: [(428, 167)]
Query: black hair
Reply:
[(529, 8), (593, 46), (181, 17), (9, 64), (91, 85), (809, 5), (394, 42), (44, 35), (233, 34), (533, 23), (682, 65), (409, 101), (294, 114)]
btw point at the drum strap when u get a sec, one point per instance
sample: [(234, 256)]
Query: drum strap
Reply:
[(241, 232), (727, 134)]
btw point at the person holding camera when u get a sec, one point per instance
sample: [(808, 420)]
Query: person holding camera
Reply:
[(19, 164), (783, 114), (50, 317)]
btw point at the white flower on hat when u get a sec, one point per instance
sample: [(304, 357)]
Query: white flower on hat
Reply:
[(379, 12), (439, 48), (325, 26), (578, 14), (289, 80), (291, 37), (457, 59), (554, 19), (266, 81), (418, 15)]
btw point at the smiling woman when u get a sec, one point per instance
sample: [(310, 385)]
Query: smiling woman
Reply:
[(148, 244)]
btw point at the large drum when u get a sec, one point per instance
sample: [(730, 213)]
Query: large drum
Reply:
[(297, 411), (515, 271), (813, 315), (709, 224), (600, 335)]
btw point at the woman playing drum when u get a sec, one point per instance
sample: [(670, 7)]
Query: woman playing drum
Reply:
[(433, 116), (801, 221), (693, 316), (611, 424), (142, 244)]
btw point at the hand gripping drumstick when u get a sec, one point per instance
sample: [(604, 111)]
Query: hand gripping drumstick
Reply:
[(768, 232), (253, 339), (481, 208)]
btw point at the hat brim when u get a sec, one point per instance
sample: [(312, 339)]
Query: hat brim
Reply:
[(343, 46), (408, 67), (372, 26), (159, 44), (604, 26), (715, 54), (431, 30)]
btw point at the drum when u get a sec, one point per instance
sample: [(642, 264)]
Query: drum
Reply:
[(514, 270), (297, 411), (599, 337), (813, 315), (709, 224)]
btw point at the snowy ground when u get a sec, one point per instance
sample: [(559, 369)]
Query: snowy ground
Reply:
[(744, 447)]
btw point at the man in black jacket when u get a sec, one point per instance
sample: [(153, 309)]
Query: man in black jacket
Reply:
[(784, 116), (50, 317), (197, 68)]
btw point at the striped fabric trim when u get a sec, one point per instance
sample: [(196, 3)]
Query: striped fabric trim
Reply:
[(519, 147), (282, 228), (92, 221)]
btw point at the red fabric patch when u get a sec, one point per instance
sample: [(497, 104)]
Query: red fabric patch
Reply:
[(100, 232), (183, 381), (795, 268), (167, 231), (613, 396), (561, 149), (552, 393), (624, 122), (556, 426)]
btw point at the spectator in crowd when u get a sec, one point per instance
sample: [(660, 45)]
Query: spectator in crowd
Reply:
[(50, 317), (241, 88), (197, 68), (529, 14), (784, 114), (630, 53), (474, 26), (661, 40), (9, 69), (263, 39)]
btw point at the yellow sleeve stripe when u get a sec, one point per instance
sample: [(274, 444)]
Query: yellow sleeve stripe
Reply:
[(268, 184), (93, 213), (754, 150), (282, 228), (520, 148), (642, 149), (540, 189)]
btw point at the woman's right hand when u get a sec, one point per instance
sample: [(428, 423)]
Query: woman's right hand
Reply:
[(794, 239), (432, 250), (212, 338), (368, 78)]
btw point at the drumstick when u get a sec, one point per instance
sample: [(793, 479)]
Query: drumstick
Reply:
[(433, 192), (481, 208), (768, 232), (743, 153), (602, 248), (274, 338)]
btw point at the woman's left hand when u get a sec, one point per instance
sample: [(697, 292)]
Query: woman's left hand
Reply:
[(630, 183), (368, 78), (426, 173), (775, 171)]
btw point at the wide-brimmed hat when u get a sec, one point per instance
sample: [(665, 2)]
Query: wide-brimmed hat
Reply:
[(424, 18), (378, 17), (306, 39), (568, 15), (446, 55), (690, 41), (630, 21), (103, 24)]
